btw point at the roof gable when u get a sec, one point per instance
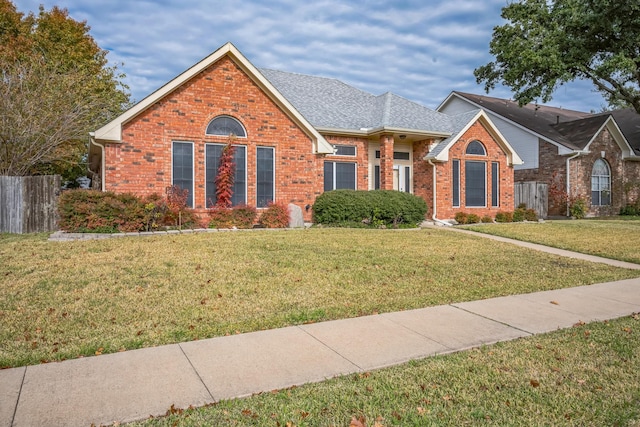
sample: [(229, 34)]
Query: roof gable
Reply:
[(462, 123), (112, 131)]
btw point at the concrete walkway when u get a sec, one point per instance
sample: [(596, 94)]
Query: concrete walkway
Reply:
[(135, 384)]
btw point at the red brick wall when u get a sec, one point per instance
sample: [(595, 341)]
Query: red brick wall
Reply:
[(361, 159), (631, 182), (141, 164), (423, 173), (582, 167), (445, 209)]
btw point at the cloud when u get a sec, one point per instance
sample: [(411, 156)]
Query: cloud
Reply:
[(416, 49)]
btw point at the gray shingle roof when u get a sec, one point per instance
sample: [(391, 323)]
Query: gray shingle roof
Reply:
[(458, 123), (330, 103)]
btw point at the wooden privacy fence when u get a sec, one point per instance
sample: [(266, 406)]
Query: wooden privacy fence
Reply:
[(28, 204), (534, 194)]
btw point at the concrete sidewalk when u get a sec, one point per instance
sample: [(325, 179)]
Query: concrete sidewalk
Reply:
[(135, 384)]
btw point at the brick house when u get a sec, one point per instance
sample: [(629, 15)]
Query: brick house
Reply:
[(297, 136), (593, 156)]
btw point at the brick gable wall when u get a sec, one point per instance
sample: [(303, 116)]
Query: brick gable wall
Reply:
[(141, 164), (444, 171)]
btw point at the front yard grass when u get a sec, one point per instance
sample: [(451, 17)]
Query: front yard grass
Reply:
[(61, 300), (583, 376), (609, 238)]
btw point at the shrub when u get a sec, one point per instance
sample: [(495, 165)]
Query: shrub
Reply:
[(461, 217), (244, 216), (275, 216), (473, 219), (504, 217), (375, 208), (241, 216), (530, 215), (578, 208), (518, 215), (82, 211), (486, 219)]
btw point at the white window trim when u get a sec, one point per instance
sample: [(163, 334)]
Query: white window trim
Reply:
[(459, 184), (335, 146), (273, 150), (193, 168), (485, 185), (246, 179), (355, 166)]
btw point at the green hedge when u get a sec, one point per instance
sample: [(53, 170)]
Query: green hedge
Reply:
[(374, 208)]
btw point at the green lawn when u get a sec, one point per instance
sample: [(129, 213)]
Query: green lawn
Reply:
[(610, 238), (61, 300), (583, 376)]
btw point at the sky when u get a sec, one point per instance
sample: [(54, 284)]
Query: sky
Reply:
[(419, 49)]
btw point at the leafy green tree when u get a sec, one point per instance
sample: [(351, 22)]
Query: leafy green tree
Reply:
[(547, 43), (55, 87)]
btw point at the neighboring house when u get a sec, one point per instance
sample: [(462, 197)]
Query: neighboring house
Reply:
[(593, 156), (297, 136)]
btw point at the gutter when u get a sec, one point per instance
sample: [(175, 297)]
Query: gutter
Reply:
[(102, 160), (433, 217)]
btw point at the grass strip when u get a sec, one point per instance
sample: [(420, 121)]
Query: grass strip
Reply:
[(615, 239)]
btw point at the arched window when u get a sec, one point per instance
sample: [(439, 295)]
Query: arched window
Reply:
[(225, 126), (476, 148), (600, 183)]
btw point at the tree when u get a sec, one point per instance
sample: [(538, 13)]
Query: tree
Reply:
[(55, 87), (547, 43)]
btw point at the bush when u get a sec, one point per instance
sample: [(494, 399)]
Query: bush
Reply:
[(473, 219), (518, 215), (631, 209), (275, 216), (241, 216), (578, 208), (486, 219), (504, 217), (530, 215), (461, 217), (82, 211), (375, 208)]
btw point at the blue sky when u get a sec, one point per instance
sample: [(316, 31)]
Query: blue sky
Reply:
[(421, 50)]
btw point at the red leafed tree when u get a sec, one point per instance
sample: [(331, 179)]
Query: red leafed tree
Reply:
[(226, 172)]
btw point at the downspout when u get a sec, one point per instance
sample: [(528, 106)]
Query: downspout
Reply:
[(102, 161), (433, 217), (569, 176)]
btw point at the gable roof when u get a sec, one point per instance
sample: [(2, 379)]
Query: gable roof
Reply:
[(461, 123), (112, 131), (539, 119), (628, 121), (333, 106), (572, 129)]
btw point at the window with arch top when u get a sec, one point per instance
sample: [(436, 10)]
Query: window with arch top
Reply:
[(476, 148), (225, 126), (601, 183)]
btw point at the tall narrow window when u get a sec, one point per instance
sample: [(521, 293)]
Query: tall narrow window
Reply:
[(339, 175), (600, 183), (455, 179), (475, 187), (182, 168), (376, 177), (212, 158), (495, 184), (265, 176)]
